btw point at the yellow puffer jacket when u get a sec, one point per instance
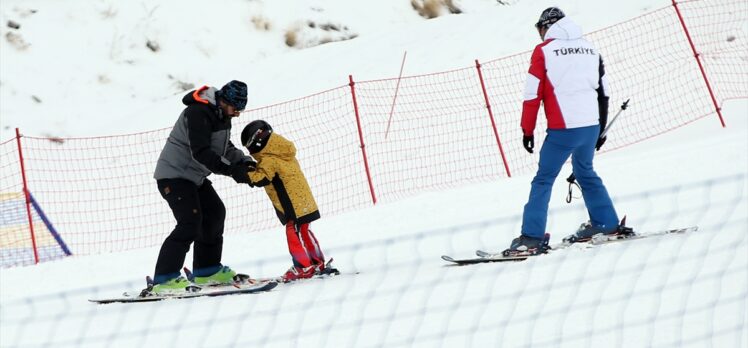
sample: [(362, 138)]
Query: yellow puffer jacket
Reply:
[(279, 172)]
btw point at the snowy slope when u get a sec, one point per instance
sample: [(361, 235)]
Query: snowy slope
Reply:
[(687, 290), (97, 77)]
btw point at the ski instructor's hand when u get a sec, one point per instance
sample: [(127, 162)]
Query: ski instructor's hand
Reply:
[(251, 164), (240, 173), (528, 141)]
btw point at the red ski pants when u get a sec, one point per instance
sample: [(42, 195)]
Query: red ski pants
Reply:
[(303, 246)]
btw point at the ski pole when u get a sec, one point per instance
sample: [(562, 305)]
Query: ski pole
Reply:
[(572, 179), (613, 120)]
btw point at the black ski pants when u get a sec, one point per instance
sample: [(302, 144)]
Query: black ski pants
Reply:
[(200, 214)]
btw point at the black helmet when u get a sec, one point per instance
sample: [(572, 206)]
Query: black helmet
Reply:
[(255, 135), (549, 16)]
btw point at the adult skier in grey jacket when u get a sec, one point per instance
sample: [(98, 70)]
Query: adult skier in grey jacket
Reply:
[(197, 146)]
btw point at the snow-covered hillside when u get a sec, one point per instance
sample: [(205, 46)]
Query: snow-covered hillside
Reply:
[(83, 68)]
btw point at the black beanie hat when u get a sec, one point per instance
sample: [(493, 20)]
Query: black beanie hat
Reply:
[(235, 94)]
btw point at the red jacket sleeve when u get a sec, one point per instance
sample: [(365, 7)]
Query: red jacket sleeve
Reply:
[(533, 90)]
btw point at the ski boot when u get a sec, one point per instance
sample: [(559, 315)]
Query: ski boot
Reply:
[(173, 286), (296, 273), (588, 232), (528, 246), (224, 276), (325, 269)]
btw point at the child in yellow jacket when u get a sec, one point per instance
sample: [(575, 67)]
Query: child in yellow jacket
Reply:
[(279, 173)]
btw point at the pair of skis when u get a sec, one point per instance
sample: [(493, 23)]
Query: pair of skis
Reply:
[(249, 287), (243, 284), (599, 239)]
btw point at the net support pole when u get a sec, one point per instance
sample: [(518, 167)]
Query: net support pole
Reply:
[(361, 138), (698, 61), (394, 98), (49, 225), (493, 122), (27, 195)]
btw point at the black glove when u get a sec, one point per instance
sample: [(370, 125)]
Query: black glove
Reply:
[(528, 141), (600, 142), (240, 173), (251, 164)]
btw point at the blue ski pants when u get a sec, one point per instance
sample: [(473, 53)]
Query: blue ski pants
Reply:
[(559, 144)]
